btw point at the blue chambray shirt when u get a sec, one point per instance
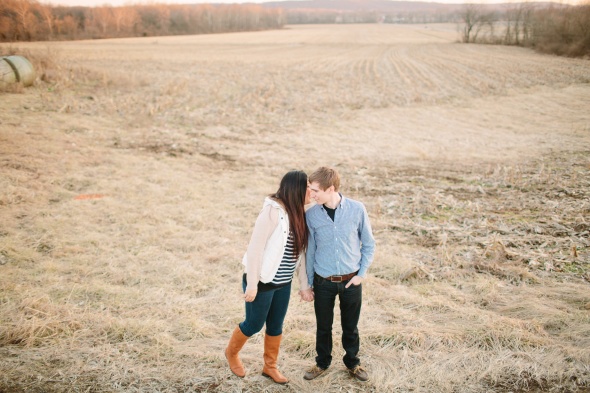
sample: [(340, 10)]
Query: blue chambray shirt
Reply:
[(342, 246)]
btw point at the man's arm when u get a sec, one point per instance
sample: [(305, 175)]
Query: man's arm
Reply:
[(367, 243)]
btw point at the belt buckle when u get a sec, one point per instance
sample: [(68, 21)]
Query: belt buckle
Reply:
[(336, 278)]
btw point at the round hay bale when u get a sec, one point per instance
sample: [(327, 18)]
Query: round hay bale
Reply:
[(22, 68), (6, 72)]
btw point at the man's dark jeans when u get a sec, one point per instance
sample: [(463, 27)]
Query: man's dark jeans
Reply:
[(350, 298)]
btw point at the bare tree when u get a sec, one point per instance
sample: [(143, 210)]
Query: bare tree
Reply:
[(518, 24), (471, 16), (527, 21), (101, 18), (26, 22), (7, 24), (155, 19), (124, 18), (46, 13), (68, 27)]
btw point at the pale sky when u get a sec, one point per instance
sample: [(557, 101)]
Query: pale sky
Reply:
[(93, 3)]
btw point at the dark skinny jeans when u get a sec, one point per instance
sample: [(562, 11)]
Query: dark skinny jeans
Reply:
[(268, 307)]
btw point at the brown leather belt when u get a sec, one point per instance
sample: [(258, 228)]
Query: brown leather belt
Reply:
[(345, 277)]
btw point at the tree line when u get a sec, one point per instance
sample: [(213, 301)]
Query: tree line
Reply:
[(29, 20), (558, 29)]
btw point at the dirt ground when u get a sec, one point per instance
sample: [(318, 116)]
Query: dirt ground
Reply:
[(132, 172)]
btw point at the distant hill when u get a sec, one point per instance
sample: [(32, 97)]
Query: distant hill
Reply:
[(384, 11), (385, 5), (360, 5)]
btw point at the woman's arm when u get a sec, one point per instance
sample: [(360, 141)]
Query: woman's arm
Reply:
[(267, 221), (305, 290), (302, 273)]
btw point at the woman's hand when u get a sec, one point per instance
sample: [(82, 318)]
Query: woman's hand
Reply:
[(306, 295), (250, 295)]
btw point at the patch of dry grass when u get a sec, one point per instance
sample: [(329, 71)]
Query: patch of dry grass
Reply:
[(131, 178)]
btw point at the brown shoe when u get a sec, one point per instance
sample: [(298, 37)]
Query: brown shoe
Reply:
[(313, 373), (359, 373), (236, 342)]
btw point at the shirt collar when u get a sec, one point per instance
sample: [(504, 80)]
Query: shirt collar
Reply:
[(341, 204)]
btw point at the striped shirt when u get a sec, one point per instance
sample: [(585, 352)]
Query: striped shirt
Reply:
[(287, 267)]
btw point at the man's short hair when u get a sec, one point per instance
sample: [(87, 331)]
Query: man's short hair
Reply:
[(326, 177)]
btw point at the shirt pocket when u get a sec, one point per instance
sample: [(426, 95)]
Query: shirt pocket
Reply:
[(349, 231), (348, 237)]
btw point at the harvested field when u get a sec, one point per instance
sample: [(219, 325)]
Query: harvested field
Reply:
[(132, 172)]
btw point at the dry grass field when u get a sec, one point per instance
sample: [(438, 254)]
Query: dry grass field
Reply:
[(132, 172)]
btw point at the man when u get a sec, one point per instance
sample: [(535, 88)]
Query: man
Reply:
[(339, 253)]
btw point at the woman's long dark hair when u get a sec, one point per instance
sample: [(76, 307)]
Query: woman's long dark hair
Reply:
[(292, 192)]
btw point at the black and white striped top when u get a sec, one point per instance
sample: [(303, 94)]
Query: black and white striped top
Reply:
[(287, 267)]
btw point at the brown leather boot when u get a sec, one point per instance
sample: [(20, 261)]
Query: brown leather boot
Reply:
[(271, 353), (236, 342)]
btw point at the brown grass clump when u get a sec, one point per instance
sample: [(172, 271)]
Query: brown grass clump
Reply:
[(130, 182)]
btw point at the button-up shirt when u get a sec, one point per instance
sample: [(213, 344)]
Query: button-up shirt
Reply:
[(342, 246)]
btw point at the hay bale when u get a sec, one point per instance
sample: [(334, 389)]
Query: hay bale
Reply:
[(6, 73), (21, 70)]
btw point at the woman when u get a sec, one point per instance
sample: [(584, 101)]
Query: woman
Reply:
[(276, 249)]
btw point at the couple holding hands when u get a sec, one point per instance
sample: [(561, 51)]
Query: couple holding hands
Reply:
[(331, 246)]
